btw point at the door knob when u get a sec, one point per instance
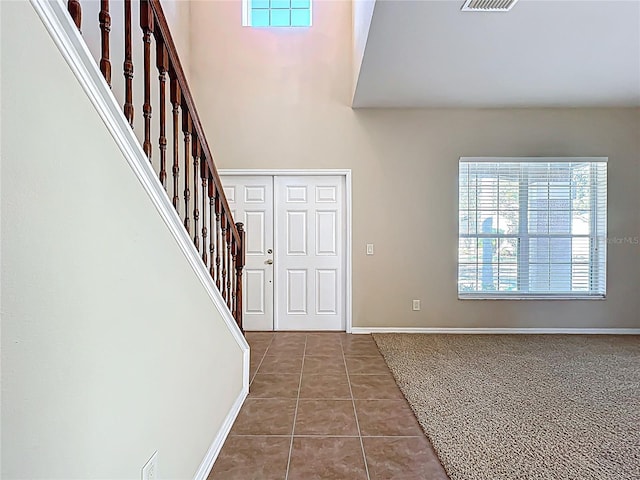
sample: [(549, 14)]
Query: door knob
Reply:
[(269, 262)]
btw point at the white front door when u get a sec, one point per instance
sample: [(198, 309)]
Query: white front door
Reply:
[(309, 253), (251, 201), (302, 268)]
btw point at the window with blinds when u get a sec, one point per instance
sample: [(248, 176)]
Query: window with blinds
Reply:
[(532, 228)]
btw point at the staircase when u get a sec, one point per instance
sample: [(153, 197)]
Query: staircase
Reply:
[(186, 170)]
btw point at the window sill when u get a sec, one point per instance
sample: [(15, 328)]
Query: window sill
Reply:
[(484, 296)]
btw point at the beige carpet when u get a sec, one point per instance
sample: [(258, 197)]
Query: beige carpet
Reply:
[(524, 406)]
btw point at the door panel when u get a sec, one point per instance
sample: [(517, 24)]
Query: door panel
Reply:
[(309, 256), (251, 201), (296, 292), (326, 292), (296, 232), (326, 233)]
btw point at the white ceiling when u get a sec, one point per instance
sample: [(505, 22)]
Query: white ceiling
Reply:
[(542, 53)]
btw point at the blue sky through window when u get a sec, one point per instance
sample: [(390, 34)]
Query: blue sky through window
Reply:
[(279, 13)]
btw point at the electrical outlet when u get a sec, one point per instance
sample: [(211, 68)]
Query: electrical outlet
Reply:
[(369, 248), (150, 469), (416, 305)]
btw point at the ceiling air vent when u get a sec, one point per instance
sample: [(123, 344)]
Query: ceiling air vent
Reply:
[(488, 5)]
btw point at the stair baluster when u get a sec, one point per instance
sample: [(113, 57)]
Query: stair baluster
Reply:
[(75, 10), (196, 206), (212, 223), (219, 234), (162, 62), (224, 256), (175, 101), (146, 23), (186, 130), (127, 66), (229, 265), (203, 180), (105, 28)]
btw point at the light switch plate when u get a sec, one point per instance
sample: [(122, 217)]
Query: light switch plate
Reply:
[(416, 305), (369, 248)]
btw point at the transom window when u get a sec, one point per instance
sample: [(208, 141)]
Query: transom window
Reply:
[(277, 13), (532, 227)]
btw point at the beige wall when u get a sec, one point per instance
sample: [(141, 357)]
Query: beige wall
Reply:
[(280, 99), (111, 348)]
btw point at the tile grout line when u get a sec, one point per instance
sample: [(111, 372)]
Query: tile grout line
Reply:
[(355, 413), (295, 414), (261, 360)]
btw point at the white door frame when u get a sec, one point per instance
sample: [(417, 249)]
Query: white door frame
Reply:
[(346, 173)]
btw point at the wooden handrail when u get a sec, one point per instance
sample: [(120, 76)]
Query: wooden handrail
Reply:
[(206, 218), (174, 61)]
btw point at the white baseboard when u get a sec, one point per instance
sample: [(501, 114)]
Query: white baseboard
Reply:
[(246, 367), (218, 441), (496, 331)]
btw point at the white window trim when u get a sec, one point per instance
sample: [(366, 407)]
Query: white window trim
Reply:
[(519, 295), (246, 13)]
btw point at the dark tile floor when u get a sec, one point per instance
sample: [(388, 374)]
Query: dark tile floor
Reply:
[(323, 406)]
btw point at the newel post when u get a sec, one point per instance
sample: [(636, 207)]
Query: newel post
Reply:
[(239, 267)]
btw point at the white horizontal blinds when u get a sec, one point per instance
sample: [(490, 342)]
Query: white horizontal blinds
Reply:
[(532, 228)]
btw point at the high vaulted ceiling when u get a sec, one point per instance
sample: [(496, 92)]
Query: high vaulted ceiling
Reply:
[(542, 53)]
